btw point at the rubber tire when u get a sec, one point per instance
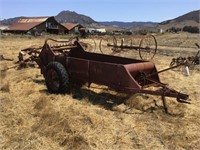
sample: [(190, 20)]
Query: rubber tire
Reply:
[(63, 78)]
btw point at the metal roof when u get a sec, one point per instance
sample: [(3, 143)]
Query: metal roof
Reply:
[(70, 26), (23, 26), (32, 19), (27, 23)]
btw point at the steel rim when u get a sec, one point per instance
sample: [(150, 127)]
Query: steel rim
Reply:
[(148, 47), (104, 44)]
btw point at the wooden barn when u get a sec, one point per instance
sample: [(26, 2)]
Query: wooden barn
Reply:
[(37, 25), (74, 28)]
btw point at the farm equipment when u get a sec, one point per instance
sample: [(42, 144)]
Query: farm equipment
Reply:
[(188, 61), (60, 64), (147, 46)]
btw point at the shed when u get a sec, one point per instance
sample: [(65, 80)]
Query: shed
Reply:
[(74, 28)]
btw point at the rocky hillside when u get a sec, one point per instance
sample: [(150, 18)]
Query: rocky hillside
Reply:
[(73, 17), (192, 16), (62, 17), (189, 19), (7, 22), (128, 24)]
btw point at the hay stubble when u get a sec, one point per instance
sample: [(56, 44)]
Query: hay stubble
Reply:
[(31, 118)]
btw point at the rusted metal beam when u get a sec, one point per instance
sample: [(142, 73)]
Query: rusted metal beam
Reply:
[(123, 46), (62, 48)]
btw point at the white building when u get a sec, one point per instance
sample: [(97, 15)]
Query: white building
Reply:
[(93, 30), (101, 30)]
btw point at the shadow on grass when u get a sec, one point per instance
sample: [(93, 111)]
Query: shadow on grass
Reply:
[(39, 81), (108, 100), (104, 99)]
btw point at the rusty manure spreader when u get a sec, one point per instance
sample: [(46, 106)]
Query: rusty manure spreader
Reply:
[(61, 63)]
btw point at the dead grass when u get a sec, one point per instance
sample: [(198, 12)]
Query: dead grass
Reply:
[(5, 87), (31, 118), (4, 84)]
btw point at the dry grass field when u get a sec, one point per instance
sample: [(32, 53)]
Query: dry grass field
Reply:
[(33, 119)]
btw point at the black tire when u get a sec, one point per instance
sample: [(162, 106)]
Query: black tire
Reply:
[(57, 78)]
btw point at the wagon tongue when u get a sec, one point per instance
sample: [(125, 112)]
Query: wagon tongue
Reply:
[(183, 98)]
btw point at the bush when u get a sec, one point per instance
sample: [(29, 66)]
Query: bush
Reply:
[(173, 29), (191, 29)]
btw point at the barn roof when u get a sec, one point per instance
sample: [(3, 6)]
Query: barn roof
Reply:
[(27, 23), (23, 26), (70, 26), (32, 19)]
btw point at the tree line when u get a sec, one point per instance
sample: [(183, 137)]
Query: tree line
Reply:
[(189, 29)]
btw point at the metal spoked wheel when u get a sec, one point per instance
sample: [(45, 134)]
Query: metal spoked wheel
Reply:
[(73, 39), (107, 45), (148, 47), (89, 44)]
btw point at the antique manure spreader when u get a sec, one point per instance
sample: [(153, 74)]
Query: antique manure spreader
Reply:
[(60, 64)]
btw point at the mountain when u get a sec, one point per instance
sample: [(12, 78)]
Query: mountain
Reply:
[(190, 19), (62, 17), (126, 25), (192, 16), (7, 22), (73, 17)]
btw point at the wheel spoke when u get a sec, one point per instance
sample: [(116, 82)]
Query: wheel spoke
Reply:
[(148, 47), (107, 45)]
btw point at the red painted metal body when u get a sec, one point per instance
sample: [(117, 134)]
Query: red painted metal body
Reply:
[(120, 74)]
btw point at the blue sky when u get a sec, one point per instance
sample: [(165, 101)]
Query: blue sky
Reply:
[(101, 10)]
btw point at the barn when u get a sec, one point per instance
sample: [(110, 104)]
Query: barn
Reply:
[(74, 28), (37, 25)]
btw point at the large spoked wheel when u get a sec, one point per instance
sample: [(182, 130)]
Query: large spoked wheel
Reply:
[(107, 45), (57, 78), (148, 47), (73, 39), (89, 44)]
